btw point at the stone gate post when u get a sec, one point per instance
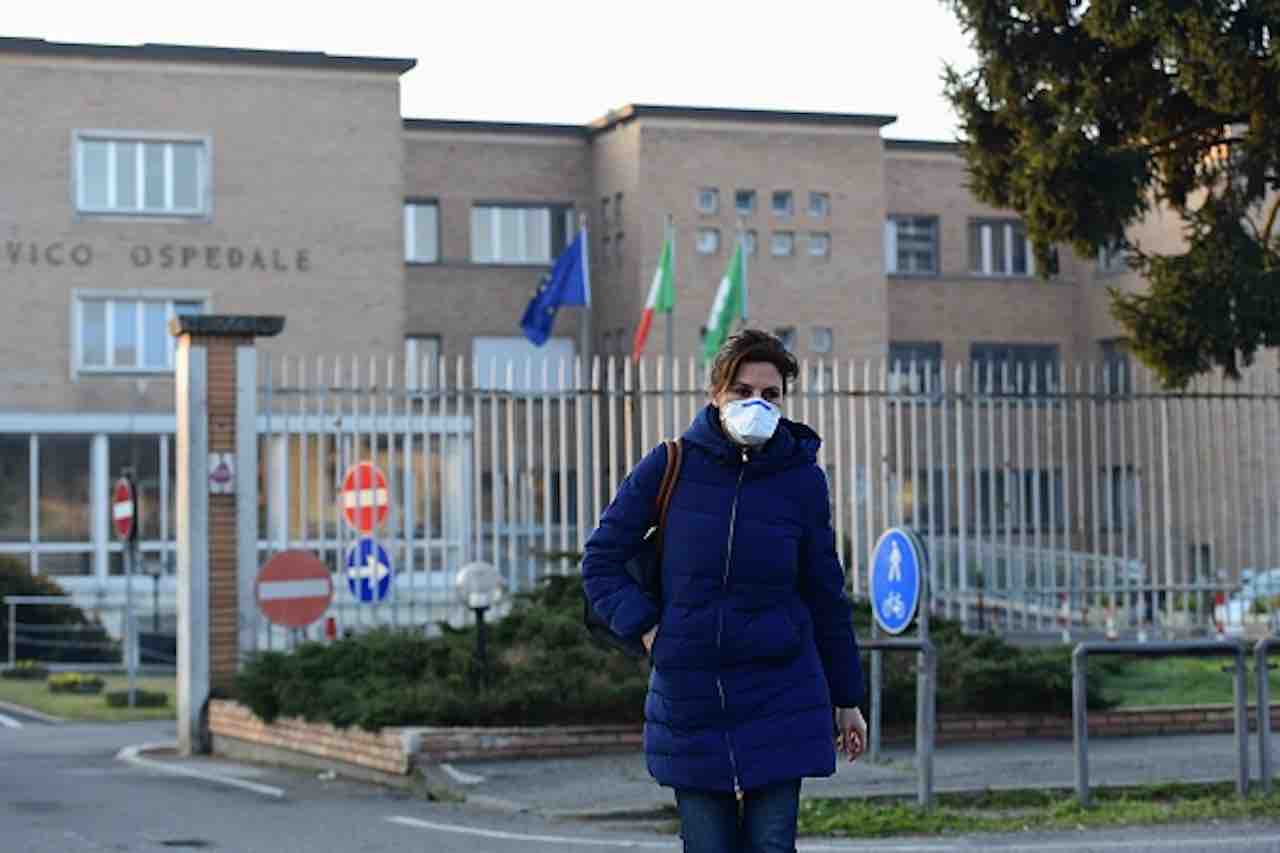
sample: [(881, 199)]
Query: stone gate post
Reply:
[(217, 482)]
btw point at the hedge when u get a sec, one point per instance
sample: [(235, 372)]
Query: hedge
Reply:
[(545, 670)]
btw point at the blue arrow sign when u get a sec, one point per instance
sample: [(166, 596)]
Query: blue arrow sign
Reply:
[(897, 565), (368, 571)]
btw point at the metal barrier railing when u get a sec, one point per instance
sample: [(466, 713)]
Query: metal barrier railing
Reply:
[(1185, 648), (99, 639), (926, 706), (1260, 652)]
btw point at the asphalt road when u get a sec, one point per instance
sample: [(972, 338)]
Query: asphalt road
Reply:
[(63, 789)]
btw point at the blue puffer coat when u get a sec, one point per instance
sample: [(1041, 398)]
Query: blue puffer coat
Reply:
[(754, 642)]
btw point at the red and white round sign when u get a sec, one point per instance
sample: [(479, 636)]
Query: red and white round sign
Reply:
[(124, 508), (365, 498), (294, 589)]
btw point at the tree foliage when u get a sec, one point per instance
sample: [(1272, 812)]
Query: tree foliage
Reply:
[(1087, 115)]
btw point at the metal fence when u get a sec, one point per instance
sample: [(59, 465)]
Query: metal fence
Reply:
[(60, 632), (1085, 498)]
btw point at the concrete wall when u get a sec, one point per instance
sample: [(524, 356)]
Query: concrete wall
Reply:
[(455, 298), (845, 291), (306, 164), (955, 307)]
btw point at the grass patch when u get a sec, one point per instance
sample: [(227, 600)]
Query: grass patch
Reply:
[(1143, 682), (1047, 810), (91, 708)]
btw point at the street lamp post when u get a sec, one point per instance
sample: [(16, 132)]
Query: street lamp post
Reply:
[(480, 587)]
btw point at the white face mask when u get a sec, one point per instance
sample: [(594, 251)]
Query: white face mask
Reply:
[(750, 422)]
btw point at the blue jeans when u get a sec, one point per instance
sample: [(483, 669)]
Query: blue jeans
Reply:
[(711, 822)]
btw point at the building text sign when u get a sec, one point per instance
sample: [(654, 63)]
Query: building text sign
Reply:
[(159, 256)]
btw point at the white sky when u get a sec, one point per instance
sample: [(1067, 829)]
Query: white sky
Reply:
[(570, 61)]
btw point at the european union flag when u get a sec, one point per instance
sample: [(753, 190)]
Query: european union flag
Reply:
[(568, 283)]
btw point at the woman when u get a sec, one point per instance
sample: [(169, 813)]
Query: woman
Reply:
[(752, 643)]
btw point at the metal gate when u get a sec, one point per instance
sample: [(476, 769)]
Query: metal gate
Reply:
[(1083, 498)]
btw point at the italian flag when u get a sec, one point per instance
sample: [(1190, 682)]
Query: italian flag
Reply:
[(662, 298), (730, 304)]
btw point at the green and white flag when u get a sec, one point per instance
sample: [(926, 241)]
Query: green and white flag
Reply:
[(730, 304)]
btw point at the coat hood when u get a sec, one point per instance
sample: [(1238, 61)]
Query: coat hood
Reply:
[(792, 445)]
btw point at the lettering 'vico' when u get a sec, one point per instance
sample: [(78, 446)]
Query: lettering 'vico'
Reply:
[(54, 254)]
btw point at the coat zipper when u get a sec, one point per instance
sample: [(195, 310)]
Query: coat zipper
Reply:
[(724, 705), (733, 761)]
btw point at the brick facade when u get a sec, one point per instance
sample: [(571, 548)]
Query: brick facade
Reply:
[(396, 751)]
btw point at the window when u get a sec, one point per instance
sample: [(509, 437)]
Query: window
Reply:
[(520, 234), (744, 202), (708, 200), (1113, 258), (617, 209), (122, 175), (1009, 500), (1116, 376), (819, 244), (708, 241), (822, 339), (911, 245), (604, 211), (492, 356), (819, 205), (783, 204), (1015, 368), (783, 244), (421, 232), (787, 335), (15, 488), (421, 361), (617, 248), (915, 367), (822, 377), (749, 241), (1000, 248), (1122, 495), (65, 509), (127, 333)]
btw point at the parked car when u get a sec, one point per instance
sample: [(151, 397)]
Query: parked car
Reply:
[(1258, 591)]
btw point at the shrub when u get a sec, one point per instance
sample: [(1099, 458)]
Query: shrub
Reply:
[(543, 668), (141, 698), (26, 670), (75, 682), (982, 673)]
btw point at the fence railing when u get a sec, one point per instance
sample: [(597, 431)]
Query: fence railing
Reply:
[(59, 632), (1086, 495)]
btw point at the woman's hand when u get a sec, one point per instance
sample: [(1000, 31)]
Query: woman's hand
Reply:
[(648, 638), (852, 737)]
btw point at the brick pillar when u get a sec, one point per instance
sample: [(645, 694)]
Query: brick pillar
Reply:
[(216, 518)]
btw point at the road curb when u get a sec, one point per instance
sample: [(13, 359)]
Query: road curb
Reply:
[(30, 712), (134, 755)]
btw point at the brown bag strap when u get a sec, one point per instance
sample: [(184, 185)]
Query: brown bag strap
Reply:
[(669, 477)]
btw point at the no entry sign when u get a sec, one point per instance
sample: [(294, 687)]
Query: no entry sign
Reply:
[(294, 589), (365, 499), (124, 509)]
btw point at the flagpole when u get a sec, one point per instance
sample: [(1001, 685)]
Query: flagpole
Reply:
[(584, 318), (742, 246), (585, 480), (669, 233)]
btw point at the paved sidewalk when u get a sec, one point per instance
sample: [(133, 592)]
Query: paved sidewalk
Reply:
[(619, 785)]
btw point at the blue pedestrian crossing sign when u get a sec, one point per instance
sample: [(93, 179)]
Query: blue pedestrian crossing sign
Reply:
[(368, 571), (898, 564)]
